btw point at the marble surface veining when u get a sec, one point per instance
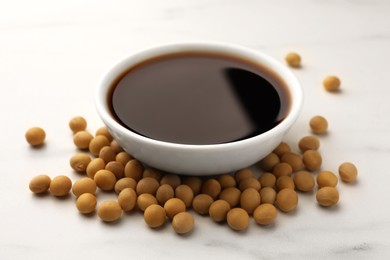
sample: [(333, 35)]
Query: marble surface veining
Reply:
[(52, 54)]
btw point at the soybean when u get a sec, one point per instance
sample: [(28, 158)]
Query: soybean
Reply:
[(86, 203), (331, 83), (202, 203), (237, 219), (60, 186), (35, 136), (250, 199), (265, 214), (287, 200), (212, 188), (77, 123), (124, 183), (327, 196), (218, 210), (348, 172), (109, 211), (97, 143), (309, 143), (184, 193), (183, 223), (326, 179), (145, 200), (155, 216), (304, 181), (318, 124), (267, 195), (312, 160), (105, 180), (82, 139), (174, 206), (79, 162), (293, 60), (127, 199), (40, 184), (84, 185)]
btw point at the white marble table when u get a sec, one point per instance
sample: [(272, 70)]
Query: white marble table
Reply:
[(52, 54)]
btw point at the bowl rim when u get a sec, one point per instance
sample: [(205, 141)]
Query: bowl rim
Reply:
[(113, 72)]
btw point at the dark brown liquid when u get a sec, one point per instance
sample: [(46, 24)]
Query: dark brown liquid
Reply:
[(198, 98)]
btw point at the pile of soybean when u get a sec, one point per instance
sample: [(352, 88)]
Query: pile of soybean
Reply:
[(161, 196), (231, 198)]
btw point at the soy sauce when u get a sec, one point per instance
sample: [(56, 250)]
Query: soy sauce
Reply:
[(199, 98)]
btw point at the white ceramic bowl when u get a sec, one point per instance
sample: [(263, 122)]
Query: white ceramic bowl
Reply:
[(198, 159)]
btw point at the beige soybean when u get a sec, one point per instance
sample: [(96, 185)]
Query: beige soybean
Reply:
[(194, 182), (116, 147), (104, 131), (79, 162), (97, 143), (145, 200), (94, 166), (282, 169), (284, 182), (82, 139), (83, 185), (86, 203), (249, 183), (312, 160), (152, 173), (127, 199), (201, 203), (171, 179), (318, 124), (327, 196), (174, 206), (134, 169), (218, 210), (105, 180), (116, 168), (77, 123), (348, 172), (269, 162), (287, 200), (212, 188), (243, 174), (147, 185), (250, 199), (226, 181), (107, 154), (267, 195), (60, 185), (295, 161), (184, 192), (124, 183), (265, 214), (293, 59), (281, 149), (123, 158), (40, 184), (331, 83), (183, 223), (309, 143), (109, 211), (155, 216), (231, 195), (35, 136), (237, 219), (327, 179), (164, 193), (304, 181), (267, 179)]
